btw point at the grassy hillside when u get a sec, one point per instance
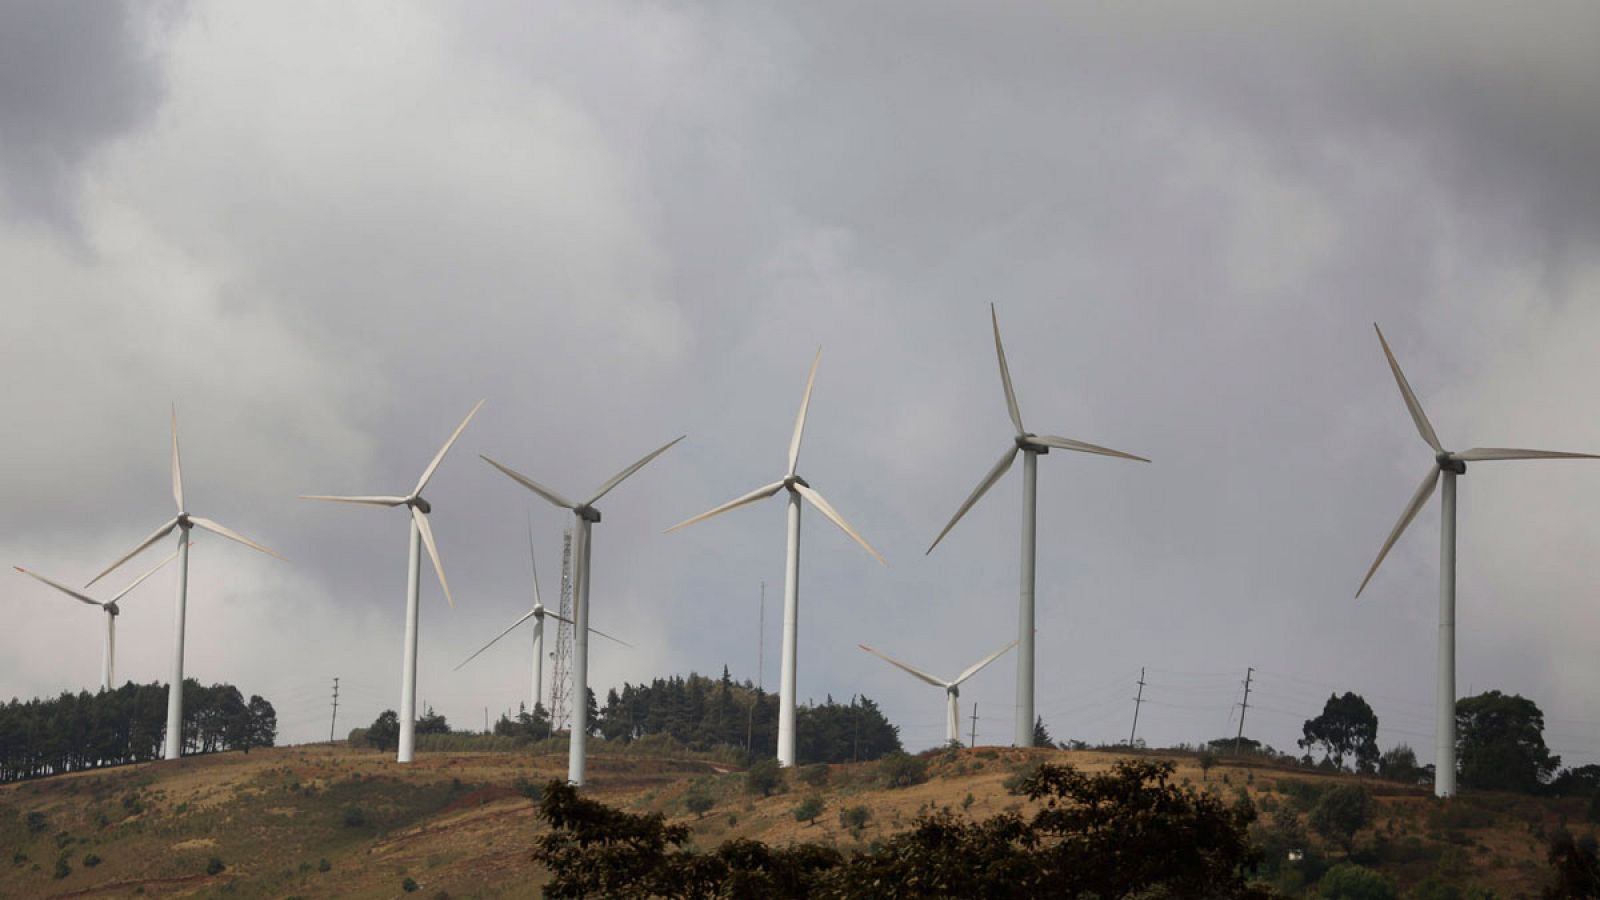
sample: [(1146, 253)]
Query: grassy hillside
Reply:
[(333, 821)]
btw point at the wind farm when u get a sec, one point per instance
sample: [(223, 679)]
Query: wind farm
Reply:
[(550, 235)]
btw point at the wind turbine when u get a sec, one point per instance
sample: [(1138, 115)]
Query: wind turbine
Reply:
[(1448, 465), (952, 689), (108, 660), (183, 522), (421, 536), (797, 488), (537, 614), (586, 515), (1031, 446)]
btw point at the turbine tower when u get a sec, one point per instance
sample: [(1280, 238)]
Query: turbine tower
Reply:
[(585, 515), (1447, 465), (798, 488), (537, 614), (173, 747), (1031, 446), (108, 658), (421, 536), (952, 689)]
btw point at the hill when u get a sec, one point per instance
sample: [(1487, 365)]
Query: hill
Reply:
[(330, 820)]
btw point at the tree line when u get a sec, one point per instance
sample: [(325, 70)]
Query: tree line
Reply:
[(701, 714), (85, 731)]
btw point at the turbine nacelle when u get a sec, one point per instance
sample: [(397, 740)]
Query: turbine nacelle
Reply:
[(790, 482), (1027, 444), (1448, 463), (419, 504)]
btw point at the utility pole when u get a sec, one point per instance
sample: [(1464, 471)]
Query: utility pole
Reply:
[(486, 720), (1242, 707), (332, 723), (761, 641), (973, 741), (1137, 701)]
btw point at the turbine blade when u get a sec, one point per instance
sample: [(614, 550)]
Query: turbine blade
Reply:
[(1477, 454), (1417, 415), (140, 580), (525, 617), (421, 519), (177, 466), (620, 476), (1050, 440), (369, 501), (531, 485), (1424, 491), (982, 488), (76, 595), (760, 493), (160, 533), (428, 472), (232, 535), (800, 420), (608, 637), (827, 510), (1005, 373), (974, 669), (936, 682), (533, 563)]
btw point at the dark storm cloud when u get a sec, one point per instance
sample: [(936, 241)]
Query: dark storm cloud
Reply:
[(73, 75)]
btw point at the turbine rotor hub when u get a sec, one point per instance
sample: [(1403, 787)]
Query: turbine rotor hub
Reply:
[(184, 521), (421, 505), (1450, 465), (111, 608), (793, 480), (1024, 442), (587, 513)]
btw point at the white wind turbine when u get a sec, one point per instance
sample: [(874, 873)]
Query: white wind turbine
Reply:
[(173, 747), (586, 515), (1031, 446), (1448, 465), (952, 689), (108, 659), (421, 535), (538, 615), (797, 488)]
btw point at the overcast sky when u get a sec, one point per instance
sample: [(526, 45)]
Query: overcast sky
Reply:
[(324, 231)]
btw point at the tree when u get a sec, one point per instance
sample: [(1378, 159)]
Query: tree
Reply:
[(1127, 832), (1347, 727), (1207, 760), (698, 802), (1399, 763), (763, 777), (384, 732), (808, 810), (431, 722), (1343, 810), (1041, 734), (1500, 743)]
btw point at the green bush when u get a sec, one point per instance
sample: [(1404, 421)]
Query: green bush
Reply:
[(898, 770), (815, 775), (1343, 811), (409, 885), (1348, 881), (699, 802), (854, 818), (323, 865), (37, 822), (763, 777), (90, 861), (214, 866), (808, 810), (533, 790), (62, 869), (354, 817)]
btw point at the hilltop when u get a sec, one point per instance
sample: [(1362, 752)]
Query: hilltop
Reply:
[(330, 820)]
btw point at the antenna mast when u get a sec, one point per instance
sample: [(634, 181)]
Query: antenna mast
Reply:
[(761, 641), (561, 674)]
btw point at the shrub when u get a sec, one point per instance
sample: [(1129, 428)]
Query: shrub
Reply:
[(814, 775), (1348, 881), (854, 818), (62, 869), (409, 885), (900, 770), (808, 810), (1207, 760), (90, 861), (37, 822), (533, 790), (214, 866), (1342, 812), (764, 777), (354, 817), (699, 802)]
